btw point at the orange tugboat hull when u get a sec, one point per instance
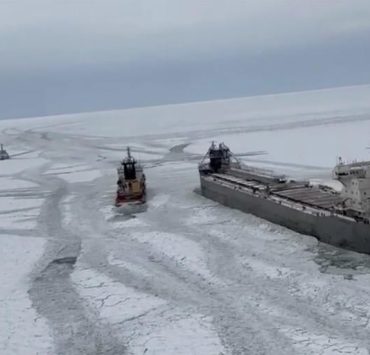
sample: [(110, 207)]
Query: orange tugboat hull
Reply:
[(122, 200)]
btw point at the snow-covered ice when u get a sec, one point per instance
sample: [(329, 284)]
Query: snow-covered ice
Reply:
[(147, 324), (181, 274), (22, 330)]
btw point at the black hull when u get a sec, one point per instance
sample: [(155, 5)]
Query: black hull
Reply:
[(335, 230)]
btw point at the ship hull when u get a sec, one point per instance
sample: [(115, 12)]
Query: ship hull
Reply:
[(334, 230), (122, 200)]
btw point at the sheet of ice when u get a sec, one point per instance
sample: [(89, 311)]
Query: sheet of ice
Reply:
[(22, 330), (171, 142), (19, 164), (80, 176), (26, 220), (16, 203), (19, 212), (159, 200), (64, 168), (166, 260), (221, 114), (141, 157), (136, 148), (308, 343), (147, 324), (180, 334), (129, 223), (74, 173), (67, 211), (127, 265), (318, 146), (201, 216), (115, 302), (265, 268), (9, 183), (181, 250)]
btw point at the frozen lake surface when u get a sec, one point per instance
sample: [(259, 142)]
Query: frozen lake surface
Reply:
[(183, 275)]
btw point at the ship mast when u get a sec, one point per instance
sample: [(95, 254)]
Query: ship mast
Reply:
[(128, 153), (222, 151)]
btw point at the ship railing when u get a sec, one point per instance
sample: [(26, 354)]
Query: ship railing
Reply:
[(312, 210), (260, 173), (240, 182), (253, 169), (260, 190), (300, 206), (261, 193)]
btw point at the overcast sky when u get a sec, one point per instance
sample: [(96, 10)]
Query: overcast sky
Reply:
[(60, 56)]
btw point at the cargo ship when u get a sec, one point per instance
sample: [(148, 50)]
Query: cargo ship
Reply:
[(339, 217), (131, 185)]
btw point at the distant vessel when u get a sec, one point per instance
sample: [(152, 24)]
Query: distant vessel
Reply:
[(333, 217), (3, 153), (131, 184)]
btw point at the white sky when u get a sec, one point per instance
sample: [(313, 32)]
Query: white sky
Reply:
[(46, 37)]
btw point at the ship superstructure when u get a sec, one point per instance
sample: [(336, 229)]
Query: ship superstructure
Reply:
[(338, 218), (356, 192), (131, 185), (3, 153)]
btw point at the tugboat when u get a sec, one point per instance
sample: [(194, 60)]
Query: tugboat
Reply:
[(3, 153), (340, 218), (131, 181)]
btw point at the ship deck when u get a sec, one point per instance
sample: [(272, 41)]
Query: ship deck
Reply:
[(312, 196), (296, 192)]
